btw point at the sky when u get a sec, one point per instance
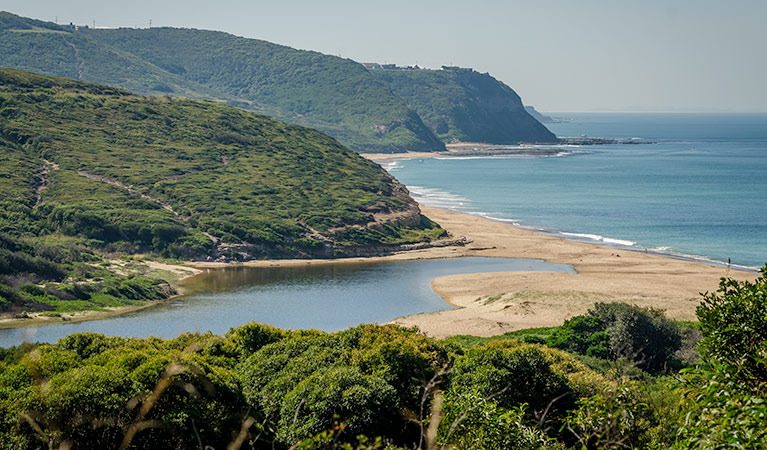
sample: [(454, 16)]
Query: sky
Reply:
[(559, 55)]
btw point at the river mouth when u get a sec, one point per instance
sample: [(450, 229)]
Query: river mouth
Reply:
[(327, 297)]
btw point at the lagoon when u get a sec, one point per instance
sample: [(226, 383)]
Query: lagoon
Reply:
[(328, 297)]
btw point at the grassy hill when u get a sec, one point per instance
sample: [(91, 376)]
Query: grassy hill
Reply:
[(461, 105), (335, 95), (331, 94), (104, 170), (48, 48)]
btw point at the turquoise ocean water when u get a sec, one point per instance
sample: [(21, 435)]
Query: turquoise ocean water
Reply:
[(700, 190)]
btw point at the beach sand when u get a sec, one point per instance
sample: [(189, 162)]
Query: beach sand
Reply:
[(494, 303), (467, 149)]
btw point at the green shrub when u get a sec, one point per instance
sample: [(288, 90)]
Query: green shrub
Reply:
[(513, 374), (472, 421), (734, 327), (250, 337), (93, 392), (644, 335), (364, 404), (723, 412), (615, 418), (582, 334), (618, 330)]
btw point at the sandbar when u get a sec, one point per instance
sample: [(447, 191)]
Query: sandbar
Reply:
[(488, 304)]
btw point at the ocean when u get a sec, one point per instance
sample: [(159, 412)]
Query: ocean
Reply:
[(699, 190)]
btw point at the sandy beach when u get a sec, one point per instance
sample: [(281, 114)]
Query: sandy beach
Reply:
[(470, 149), (494, 303)]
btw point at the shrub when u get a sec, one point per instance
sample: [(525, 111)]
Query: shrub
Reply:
[(512, 374), (734, 327), (618, 330), (251, 337), (582, 334), (471, 421), (364, 404), (612, 419), (92, 392)]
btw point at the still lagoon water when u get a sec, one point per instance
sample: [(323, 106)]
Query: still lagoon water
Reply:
[(328, 297)]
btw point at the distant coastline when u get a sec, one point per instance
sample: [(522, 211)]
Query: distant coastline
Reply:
[(464, 149)]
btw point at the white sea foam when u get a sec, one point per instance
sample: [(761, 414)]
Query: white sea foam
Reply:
[(618, 242), (437, 197), (600, 238), (391, 165)]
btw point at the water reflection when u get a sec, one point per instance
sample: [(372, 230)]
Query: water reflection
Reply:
[(328, 297)]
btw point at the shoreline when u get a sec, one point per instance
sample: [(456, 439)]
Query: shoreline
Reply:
[(456, 150), (494, 303), (475, 149), (37, 319)]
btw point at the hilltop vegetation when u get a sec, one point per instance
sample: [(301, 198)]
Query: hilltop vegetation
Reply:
[(461, 105), (373, 387), (104, 169), (334, 95), (45, 47), (379, 111)]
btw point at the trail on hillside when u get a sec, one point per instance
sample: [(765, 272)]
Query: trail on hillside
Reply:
[(80, 61), (133, 191), (47, 167)]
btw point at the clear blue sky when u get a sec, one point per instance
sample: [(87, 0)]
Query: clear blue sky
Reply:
[(559, 55)]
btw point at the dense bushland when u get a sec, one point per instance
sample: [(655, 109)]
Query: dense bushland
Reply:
[(463, 105), (65, 277), (262, 387)]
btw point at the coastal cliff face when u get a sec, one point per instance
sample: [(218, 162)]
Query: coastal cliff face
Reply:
[(461, 105)]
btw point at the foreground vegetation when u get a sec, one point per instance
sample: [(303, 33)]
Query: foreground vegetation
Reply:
[(385, 386), (88, 170)]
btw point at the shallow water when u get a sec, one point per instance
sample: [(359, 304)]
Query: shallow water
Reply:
[(327, 297)]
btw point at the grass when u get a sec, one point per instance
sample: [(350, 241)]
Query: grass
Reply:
[(531, 335)]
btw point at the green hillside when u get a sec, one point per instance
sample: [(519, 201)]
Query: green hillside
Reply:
[(331, 94), (104, 169), (48, 48), (461, 105), (335, 95)]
